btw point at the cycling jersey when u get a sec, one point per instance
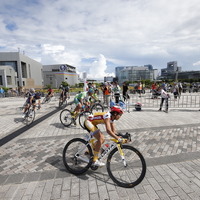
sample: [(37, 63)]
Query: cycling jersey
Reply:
[(35, 96), (99, 117), (81, 96), (95, 119)]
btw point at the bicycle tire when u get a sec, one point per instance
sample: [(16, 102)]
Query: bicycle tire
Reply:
[(83, 115), (97, 107), (44, 100), (133, 173), (29, 118), (81, 163), (66, 117), (48, 99)]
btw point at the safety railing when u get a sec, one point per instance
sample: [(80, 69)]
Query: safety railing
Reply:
[(184, 101)]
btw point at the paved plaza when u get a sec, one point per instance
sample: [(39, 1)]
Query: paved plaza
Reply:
[(31, 164)]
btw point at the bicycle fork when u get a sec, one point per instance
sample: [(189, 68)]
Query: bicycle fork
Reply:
[(119, 146)]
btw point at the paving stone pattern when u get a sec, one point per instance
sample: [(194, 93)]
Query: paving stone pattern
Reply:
[(31, 164)]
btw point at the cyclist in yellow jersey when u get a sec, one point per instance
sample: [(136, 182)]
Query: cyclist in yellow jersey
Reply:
[(108, 119)]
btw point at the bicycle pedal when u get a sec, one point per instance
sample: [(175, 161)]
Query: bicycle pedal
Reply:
[(94, 167)]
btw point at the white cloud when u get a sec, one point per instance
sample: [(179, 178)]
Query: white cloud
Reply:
[(124, 32), (196, 63), (98, 68)]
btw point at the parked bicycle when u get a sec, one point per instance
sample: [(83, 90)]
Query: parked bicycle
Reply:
[(126, 166)]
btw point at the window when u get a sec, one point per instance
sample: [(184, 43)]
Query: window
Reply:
[(24, 70), (9, 80), (1, 80), (10, 63)]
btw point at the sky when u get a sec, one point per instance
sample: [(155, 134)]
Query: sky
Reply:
[(95, 36)]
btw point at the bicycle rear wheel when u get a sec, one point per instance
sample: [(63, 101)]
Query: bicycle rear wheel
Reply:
[(129, 173), (77, 156), (44, 100), (97, 107), (66, 117), (82, 117)]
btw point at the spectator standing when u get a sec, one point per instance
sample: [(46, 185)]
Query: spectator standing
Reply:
[(140, 89), (2, 92), (107, 91), (175, 91), (124, 91), (164, 97), (116, 90)]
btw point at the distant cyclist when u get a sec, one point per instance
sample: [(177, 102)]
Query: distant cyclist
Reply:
[(50, 92), (106, 118), (32, 101), (65, 94), (82, 98)]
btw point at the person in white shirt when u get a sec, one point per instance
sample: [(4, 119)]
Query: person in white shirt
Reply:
[(164, 97)]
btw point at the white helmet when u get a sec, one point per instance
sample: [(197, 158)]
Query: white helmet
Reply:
[(32, 90)]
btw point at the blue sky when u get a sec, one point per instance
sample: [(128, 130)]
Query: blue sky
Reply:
[(96, 36)]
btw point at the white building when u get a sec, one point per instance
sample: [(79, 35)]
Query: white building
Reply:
[(18, 70), (135, 73), (54, 75)]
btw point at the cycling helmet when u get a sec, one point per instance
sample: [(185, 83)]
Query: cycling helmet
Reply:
[(32, 90), (91, 91), (117, 109)]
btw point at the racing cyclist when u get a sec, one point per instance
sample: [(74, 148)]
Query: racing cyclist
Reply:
[(106, 118), (32, 101), (82, 98)]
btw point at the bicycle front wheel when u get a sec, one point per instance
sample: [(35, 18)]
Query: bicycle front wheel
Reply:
[(82, 117), (97, 107), (128, 172), (29, 118), (66, 117), (77, 156)]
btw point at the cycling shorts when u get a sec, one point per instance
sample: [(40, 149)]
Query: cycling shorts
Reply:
[(76, 101), (91, 127), (28, 101)]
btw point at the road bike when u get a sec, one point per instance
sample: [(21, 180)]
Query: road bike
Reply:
[(96, 106), (125, 165), (47, 99), (30, 115), (62, 101), (67, 117)]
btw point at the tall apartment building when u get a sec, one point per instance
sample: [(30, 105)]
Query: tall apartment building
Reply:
[(18, 70)]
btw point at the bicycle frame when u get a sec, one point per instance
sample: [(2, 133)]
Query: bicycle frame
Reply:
[(105, 153)]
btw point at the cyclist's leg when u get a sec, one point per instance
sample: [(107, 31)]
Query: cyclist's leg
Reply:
[(78, 106), (98, 135)]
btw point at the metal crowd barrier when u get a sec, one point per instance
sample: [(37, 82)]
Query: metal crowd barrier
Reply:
[(185, 101)]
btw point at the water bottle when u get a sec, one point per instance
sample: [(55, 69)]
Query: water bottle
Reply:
[(104, 147)]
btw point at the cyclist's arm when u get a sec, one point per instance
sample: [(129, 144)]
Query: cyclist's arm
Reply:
[(113, 128), (109, 128)]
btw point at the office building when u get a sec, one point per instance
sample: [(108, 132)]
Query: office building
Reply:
[(135, 73), (19, 71), (54, 75)]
